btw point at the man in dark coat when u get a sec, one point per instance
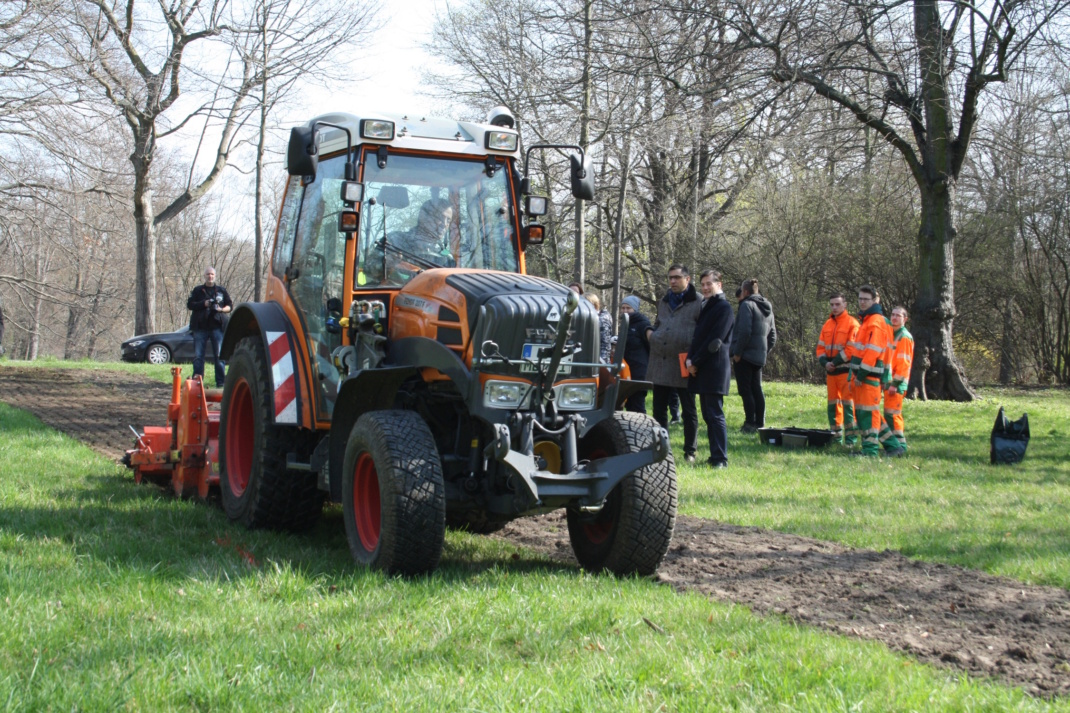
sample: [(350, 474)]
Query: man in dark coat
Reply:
[(208, 303), (754, 338), (636, 350), (707, 362), (670, 338)]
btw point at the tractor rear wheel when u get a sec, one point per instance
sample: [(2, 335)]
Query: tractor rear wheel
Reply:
[(393, 493), (257, 488), (632, 531)]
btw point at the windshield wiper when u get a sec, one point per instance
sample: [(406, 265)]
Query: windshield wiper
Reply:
[(421, 262)]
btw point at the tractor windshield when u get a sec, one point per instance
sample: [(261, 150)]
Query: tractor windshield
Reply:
[(420, 213)]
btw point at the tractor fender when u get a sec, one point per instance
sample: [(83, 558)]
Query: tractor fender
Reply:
[(268, 321), (366, 390)]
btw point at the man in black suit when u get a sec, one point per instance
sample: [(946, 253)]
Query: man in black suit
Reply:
[(708, 363)]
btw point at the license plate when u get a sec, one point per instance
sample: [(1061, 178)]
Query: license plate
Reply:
[(531, 351)]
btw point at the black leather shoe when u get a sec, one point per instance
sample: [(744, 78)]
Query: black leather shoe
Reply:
[(716, 463), (690, 458)]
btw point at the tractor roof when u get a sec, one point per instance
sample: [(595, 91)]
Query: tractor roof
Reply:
[(413, 132)]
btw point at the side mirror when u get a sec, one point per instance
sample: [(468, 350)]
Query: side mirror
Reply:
[(302, 154), (536, 205), (582, 176)]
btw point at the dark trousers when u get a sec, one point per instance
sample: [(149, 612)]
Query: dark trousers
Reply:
[(200, 344), (749, 384), (674, 405), (636, 403), (690, 414), (716, 428)]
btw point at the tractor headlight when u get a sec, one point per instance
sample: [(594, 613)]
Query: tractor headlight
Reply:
[(505, 394), (576, 397), (377, 129), (501, 140)]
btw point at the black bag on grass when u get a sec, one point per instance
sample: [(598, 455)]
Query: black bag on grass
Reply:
[(1009, 439)]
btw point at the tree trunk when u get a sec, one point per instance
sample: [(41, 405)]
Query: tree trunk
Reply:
[(145, 272), (579, 269), (258, 251), (934, 311)]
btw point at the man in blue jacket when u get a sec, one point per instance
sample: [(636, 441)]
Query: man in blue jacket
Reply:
[(208, 303), (708, 363)]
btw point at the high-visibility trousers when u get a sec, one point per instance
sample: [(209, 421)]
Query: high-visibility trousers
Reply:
[(867, 403), (893, 416), (841, 410)]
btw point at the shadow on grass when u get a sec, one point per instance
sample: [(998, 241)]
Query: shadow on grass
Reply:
[(145, 529)]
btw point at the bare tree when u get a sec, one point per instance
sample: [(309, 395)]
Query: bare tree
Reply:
[(914, 73), (296, 41), (135, 60)]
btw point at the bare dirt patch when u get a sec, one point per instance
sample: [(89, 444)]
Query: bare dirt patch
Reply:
[(943, 615)]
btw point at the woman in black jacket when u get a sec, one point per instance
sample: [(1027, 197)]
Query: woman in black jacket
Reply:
[(636, 350), (707, 362), (754, 338)]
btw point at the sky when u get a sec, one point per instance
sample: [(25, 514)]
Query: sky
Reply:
[(390, 67)]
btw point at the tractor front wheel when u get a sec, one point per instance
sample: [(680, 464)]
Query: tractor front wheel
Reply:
[(393, 493), (632, 531), (257, 488)]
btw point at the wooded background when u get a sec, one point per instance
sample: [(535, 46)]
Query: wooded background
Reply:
[(920, 146)]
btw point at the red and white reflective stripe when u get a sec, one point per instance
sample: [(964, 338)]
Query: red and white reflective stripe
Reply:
[(282, 376)]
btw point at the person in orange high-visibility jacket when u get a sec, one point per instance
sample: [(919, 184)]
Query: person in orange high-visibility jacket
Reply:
[(902, 359), (870, 357), (839, 330)]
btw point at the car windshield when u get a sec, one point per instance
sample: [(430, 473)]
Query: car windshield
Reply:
[(419, 213)]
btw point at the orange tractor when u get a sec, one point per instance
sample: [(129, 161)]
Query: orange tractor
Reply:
[(404, 365)]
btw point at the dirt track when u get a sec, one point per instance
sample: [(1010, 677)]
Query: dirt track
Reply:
[(943, 615)]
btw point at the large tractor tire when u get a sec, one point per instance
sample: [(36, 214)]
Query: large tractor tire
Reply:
[(257, 488), (393, 493), (631, 533)]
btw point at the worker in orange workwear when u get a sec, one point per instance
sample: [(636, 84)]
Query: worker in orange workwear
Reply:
[(839, 330), (870, 357), (902, 359)]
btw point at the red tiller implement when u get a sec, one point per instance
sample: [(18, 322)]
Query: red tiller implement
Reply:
[(184, 453)]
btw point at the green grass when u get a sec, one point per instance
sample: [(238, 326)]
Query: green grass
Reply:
[(944, 502), (120, 597), (159, 372)]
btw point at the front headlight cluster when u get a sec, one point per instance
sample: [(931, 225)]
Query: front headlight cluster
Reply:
[(576, 397), (517, 395), (506, 394), (135, 343)]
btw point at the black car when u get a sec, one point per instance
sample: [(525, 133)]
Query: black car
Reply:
[(162, 348)]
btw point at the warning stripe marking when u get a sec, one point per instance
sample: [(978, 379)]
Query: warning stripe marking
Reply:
[(282, 377)]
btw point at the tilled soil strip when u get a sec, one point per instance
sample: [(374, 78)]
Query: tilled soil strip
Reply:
[(945, 615)]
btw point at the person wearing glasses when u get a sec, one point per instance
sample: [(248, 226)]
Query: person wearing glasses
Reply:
[(670, 339), (871, 362)]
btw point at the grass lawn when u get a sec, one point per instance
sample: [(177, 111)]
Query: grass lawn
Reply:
[(118, 597), (944, 502)]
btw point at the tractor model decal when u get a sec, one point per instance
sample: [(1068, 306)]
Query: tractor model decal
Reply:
[(282, 375)]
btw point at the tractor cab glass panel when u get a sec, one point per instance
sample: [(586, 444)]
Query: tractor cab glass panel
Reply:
[(421, 213), (318, 268)]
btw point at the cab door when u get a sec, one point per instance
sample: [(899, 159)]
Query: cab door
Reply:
[(316, 276)]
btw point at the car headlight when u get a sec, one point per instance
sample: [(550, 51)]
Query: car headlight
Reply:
[(135, 343), (576, 397), (505, 394)]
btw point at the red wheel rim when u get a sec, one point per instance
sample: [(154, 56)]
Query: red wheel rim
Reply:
[(367, 508), (599, 529), (240, 436)]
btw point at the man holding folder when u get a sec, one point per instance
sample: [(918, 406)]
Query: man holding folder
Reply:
[(670, 339)]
